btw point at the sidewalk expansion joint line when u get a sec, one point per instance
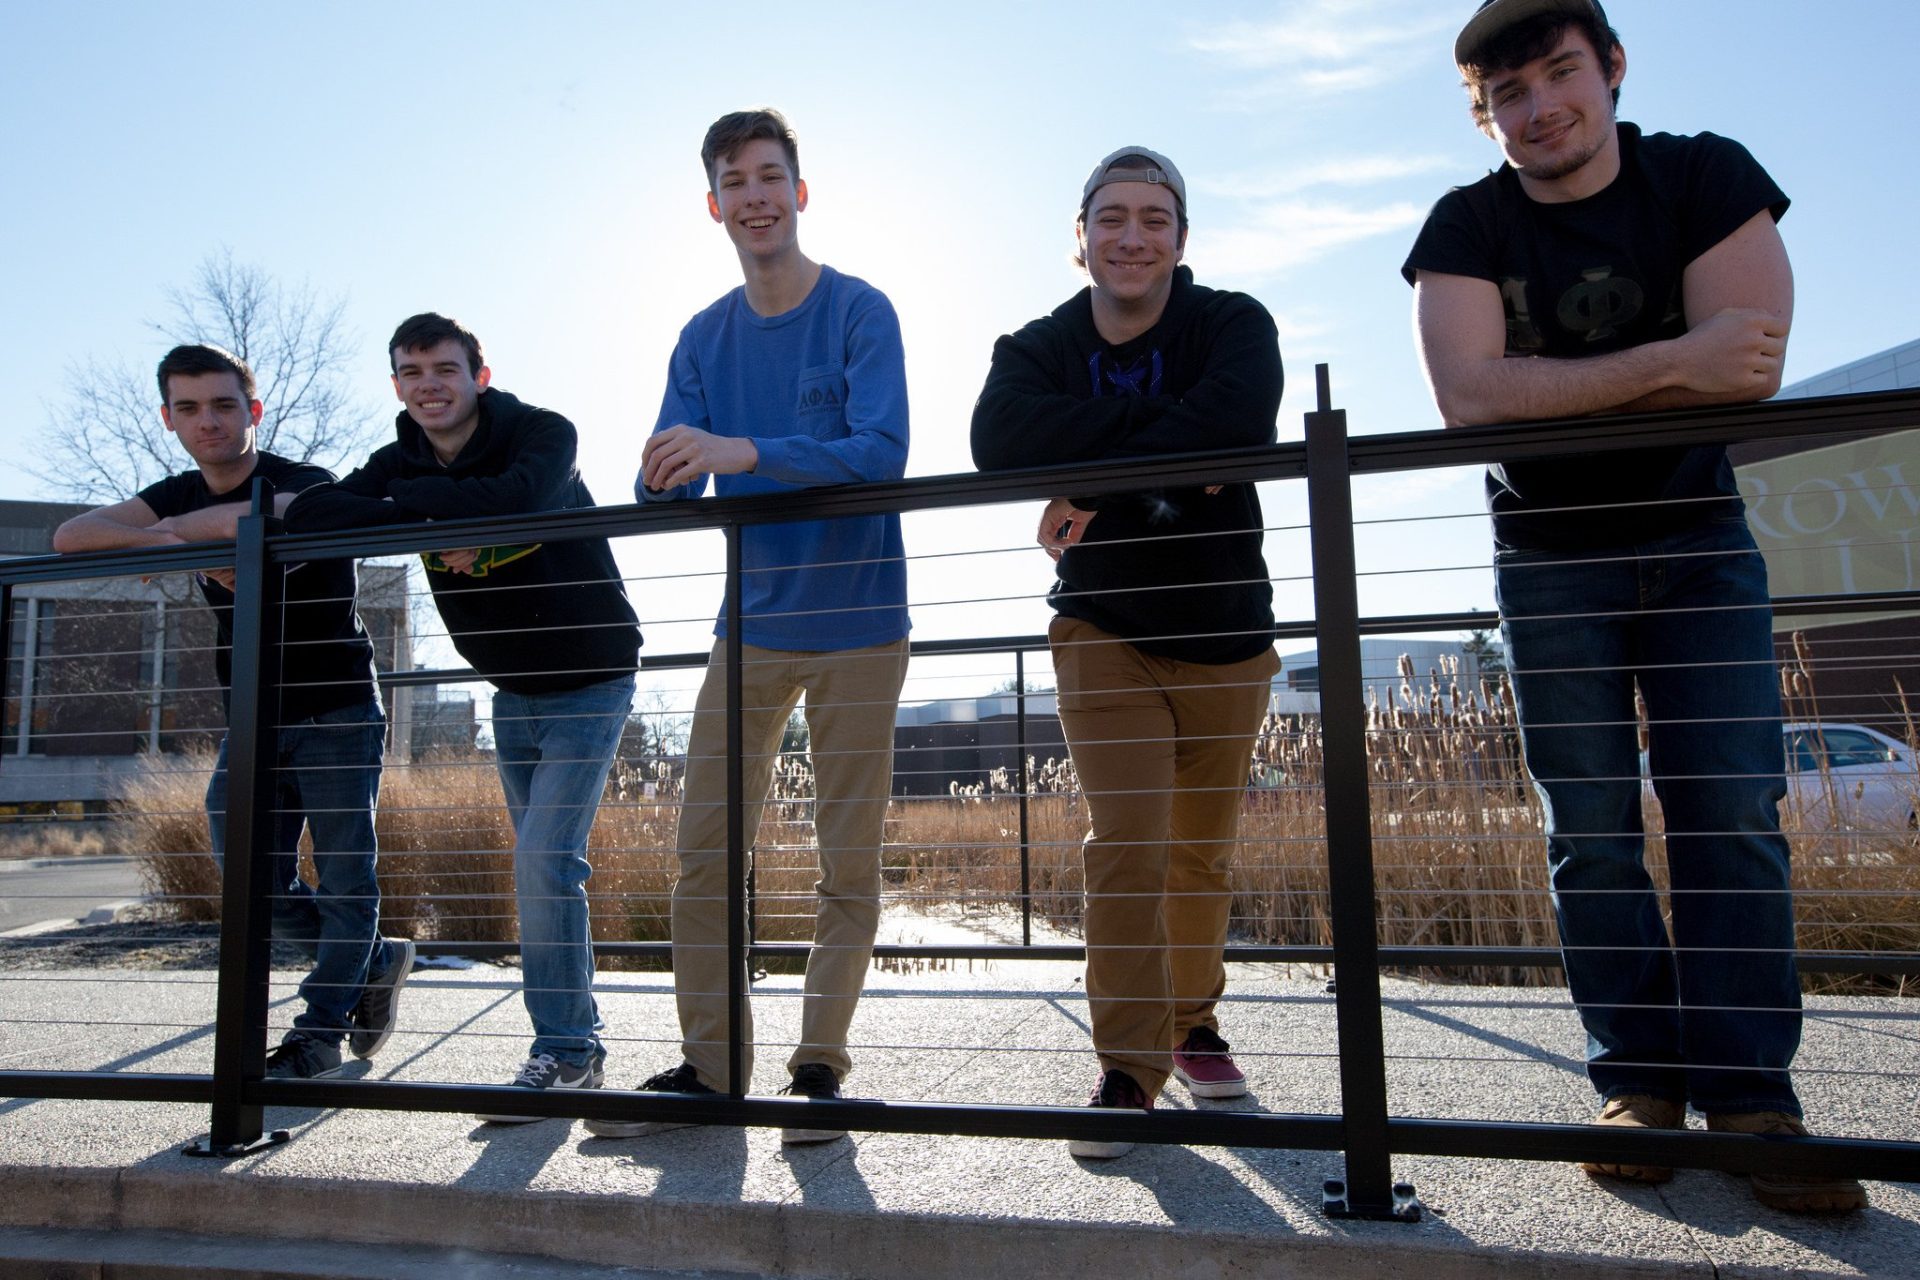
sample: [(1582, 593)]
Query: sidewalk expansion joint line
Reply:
[(1687, 1228), (854, 1140)]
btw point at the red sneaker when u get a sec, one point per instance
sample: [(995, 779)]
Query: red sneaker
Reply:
[(1202, 1064)]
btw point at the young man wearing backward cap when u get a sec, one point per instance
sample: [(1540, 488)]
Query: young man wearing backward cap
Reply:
[(1163, 643)]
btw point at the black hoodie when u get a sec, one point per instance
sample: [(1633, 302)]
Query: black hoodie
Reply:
[(545, 618), (1184, 578)]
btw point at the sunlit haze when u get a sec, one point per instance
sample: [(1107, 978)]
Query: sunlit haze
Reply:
[(533, 170)]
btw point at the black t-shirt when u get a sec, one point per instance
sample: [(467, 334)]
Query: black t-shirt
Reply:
[(1588, 278), (327, 662)]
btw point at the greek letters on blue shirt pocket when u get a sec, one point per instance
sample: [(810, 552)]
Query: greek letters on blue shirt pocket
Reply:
[(820, 405)]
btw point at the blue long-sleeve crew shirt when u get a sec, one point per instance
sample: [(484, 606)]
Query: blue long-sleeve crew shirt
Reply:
[(821, 390)]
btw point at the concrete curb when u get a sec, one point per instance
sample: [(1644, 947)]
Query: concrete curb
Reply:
[(748, 1238), (43, 1254), (78, 860), (106, 913)]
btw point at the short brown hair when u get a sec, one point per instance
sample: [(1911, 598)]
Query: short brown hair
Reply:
[(203, 357), (735, 130), (428, 330), (1521, 43)]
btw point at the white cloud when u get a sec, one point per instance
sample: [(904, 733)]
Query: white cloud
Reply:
[(1295, 327), (1325, 48), (1311, 31), (1346, 171), (1291, 233), (1396, 495)]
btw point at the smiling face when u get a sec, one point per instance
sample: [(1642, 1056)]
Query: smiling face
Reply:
[(212, 417), (758, 200), (441, 392), (1131, 242), (1554, 119)]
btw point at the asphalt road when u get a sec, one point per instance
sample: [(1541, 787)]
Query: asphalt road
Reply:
[(64, 889)]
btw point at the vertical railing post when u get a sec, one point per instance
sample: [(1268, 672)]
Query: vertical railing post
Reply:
[(736, 831), (6, 651), (1368, 1191), (240, 1001), (1026, 781), (29, 676)]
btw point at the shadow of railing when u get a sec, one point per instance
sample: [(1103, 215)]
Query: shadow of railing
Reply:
[(1327, 461)]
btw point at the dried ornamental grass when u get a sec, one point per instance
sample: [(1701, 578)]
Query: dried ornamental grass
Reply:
[(1458, 845)]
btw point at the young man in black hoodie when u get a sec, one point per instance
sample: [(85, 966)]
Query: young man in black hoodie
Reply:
[(547, 624), (328, 745), (1163, 647)]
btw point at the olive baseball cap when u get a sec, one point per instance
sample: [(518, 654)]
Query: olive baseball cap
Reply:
[(1162, 174), (1495, 16)]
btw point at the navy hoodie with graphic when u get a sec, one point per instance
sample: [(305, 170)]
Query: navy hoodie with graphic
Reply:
[(541, 618), (1176, 571)]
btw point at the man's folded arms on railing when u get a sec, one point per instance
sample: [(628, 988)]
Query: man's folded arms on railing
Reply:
[(796, 378), (465, 449), (329, 729), (1602, 270), (1163, 647)]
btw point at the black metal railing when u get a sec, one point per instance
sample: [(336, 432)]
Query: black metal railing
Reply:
[(1364, 1130)]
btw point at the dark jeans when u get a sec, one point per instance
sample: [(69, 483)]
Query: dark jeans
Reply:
[(554, 751), (327, 778), (1711, 1015)]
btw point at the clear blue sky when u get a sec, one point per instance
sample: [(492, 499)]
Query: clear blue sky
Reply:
[(534, 171)]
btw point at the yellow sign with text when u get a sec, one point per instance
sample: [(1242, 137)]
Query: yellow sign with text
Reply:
[(1842, 520)]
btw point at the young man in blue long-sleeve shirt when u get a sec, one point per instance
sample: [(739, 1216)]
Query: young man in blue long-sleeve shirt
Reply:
[(794, 379)]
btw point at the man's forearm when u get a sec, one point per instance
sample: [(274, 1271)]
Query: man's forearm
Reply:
[(93, 532), (1683, 398), (327, 508), (219, 523), (1537, 388)]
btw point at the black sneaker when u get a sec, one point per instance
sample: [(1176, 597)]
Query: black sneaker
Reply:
[(544, 1071), (1116, 1089), (682, 1079), (303, 1058), (374, 1014), (813, 1080)]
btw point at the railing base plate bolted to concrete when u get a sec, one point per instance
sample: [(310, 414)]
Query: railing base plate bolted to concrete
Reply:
[(234, 1150), (1406, 1206)]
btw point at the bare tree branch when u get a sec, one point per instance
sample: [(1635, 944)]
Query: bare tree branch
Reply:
[(106, 438)]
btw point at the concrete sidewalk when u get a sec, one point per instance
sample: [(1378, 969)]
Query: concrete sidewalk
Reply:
[(728, 1200)]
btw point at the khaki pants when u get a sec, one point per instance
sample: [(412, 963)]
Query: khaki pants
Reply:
[(851, 697), (1162, 748)]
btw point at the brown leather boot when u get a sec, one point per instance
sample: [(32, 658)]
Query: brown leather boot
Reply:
[(1638, 1111), (1793, 1193)]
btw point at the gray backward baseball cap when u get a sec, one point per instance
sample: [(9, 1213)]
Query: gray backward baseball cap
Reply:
[(1495, 16), (1163, 174)]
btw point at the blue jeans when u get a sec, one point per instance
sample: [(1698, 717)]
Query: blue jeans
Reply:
[(327, 778), (554, 751), (1712, 1015)]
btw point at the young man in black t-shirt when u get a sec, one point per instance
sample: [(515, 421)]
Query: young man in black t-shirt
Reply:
[(1601, 270), (327, 752), (1163, 647)]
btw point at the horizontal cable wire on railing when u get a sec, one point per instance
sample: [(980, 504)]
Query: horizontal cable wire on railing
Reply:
[(784, 839)]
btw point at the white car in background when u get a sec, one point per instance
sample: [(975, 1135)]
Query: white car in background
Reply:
[(1870, 777)]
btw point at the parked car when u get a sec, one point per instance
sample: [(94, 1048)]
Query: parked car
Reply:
[(1871, 777)]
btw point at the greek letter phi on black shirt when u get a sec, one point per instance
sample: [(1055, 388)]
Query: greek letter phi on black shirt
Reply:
[(1588, 278)]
